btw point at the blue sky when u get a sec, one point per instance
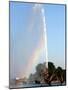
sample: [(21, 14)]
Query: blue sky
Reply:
[(22, 42)]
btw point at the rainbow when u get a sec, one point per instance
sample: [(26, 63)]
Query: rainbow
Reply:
[(33, 60), (41, 47)]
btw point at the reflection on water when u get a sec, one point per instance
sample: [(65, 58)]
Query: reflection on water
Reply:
[(20, 85)]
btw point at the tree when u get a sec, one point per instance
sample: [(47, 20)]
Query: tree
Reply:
[(39, 68), (51, 68), (64, 75), (47, 75), (59, 74)]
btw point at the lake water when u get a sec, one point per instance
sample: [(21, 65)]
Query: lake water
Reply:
[(35, 85)]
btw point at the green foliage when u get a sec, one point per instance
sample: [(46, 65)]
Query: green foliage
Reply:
[(48, 74), (64, 75), (59, 71), (51, 68), (40, 68)]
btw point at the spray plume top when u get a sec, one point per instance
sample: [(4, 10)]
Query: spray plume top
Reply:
[(37, 7)]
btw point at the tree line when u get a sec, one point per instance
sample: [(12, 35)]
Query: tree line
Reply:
[(48, 75)]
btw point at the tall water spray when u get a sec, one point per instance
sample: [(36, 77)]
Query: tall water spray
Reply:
[(41, 50), (40, 10), (45, 38)]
